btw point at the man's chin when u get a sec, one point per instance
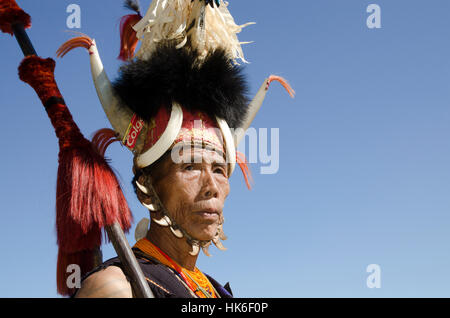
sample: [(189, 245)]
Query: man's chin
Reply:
[(206, 233)]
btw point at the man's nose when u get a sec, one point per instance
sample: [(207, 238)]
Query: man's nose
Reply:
[(210, 188)]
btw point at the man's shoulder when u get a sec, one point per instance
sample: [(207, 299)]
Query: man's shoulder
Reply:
[(110, 279), (107, 282)]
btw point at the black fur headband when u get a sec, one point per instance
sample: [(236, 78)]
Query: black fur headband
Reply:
[(214, 86)]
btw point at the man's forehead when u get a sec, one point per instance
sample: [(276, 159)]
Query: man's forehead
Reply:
[(198, 154)]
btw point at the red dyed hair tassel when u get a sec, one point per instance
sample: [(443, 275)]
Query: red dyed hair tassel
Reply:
[(10, 14), (88, 195), (243, 164), (128, 39)]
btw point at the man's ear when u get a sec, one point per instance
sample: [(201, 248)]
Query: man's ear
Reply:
[(145, 195), (142, 191)]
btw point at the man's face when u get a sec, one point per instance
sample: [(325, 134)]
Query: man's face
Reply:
[(194, 191)]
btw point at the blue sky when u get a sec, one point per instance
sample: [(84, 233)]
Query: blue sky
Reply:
[(364, 171)]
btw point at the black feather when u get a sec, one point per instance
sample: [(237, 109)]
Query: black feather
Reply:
[(133, 5), (175, 75)]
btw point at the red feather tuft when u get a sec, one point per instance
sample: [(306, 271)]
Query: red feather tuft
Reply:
[(243, 164), (81, 41), (283, 82), (128, 39), (103, 139)]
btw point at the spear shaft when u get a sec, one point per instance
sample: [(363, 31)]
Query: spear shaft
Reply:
[(23, 39)]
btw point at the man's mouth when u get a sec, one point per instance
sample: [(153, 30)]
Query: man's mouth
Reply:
[(209, 214)]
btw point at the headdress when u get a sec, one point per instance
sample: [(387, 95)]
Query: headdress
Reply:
[(185, 72)]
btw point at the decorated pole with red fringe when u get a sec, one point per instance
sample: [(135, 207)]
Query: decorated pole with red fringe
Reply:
[(88, 196)]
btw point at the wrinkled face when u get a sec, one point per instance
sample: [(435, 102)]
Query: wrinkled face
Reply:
[(194, 191)]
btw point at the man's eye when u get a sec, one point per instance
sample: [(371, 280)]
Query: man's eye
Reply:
[(219, 170), (189, 168)]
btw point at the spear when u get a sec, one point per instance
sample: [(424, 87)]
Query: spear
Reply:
[(81, 214)]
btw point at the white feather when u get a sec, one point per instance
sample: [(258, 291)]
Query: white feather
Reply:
[(167, 19)]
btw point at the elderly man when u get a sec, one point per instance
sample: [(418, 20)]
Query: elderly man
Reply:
[(174, 105), (193, 192), (184, 155)]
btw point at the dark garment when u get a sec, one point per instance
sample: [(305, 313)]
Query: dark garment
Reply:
[(163, 282)]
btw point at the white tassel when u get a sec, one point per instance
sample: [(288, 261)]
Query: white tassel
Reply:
[(206, 251), (219, 244), (222, 236)]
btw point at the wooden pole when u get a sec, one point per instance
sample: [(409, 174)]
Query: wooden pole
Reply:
[(130, 264)]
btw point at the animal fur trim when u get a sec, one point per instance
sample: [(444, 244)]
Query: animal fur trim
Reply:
[(212, 84)]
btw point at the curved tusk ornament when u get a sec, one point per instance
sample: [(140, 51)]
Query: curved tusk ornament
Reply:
[(177, 232), (229, 144), (119, 117), (162, 222), (257, 102), (151, 207), (167, 220), (142, 188), (165, 141), (195, 250)]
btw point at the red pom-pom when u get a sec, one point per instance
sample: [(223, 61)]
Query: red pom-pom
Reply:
[(10, 14)]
